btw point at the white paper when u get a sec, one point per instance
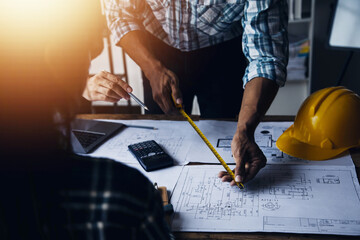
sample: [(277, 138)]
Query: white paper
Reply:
[(282, 198), (174, 136), (166, 177), (220, 134)]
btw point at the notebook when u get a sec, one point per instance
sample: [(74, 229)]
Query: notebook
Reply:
[(87, 135)]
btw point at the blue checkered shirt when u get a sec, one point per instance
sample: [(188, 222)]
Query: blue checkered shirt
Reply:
[(192, 24)]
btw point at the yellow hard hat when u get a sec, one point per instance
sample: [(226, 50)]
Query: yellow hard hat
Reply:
[(327, 124)]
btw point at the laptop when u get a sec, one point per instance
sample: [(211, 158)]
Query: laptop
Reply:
[(87, 135)]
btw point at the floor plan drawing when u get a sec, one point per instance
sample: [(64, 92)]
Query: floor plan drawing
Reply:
[(220, 134), (166, 133), (286, 198)]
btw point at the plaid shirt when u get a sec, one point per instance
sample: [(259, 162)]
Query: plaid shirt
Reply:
[(192, 24), (80, 198)]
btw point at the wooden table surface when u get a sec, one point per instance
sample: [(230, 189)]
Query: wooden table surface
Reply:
[(355, 153)]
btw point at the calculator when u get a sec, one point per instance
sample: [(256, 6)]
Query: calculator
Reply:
[(150, 155)]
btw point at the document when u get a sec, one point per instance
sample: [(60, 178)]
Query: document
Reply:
[(288, 195), (220, 134), (166, 177), (182, 143), (282, 198), (175, 137)]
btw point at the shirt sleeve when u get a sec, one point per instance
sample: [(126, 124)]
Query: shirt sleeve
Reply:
[(265, 41), (123, 16)]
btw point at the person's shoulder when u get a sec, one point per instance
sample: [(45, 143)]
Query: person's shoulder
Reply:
[(121, 176)]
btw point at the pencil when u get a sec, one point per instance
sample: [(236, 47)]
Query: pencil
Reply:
[(139, 126), (138, 101)]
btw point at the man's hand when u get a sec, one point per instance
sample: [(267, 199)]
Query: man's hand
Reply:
[(105, 86), (248, 157), (164, 84), (258, 95)]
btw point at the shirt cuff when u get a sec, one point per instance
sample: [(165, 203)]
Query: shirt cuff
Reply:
[(269, 69)]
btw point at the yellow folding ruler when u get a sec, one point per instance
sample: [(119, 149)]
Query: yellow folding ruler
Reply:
[(217, 155)]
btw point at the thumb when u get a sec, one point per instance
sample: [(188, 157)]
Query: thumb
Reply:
[(239, 168), (175, 89)]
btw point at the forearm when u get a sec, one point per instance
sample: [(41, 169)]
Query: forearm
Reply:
[(258, 96), (134, 44), (164, 83)]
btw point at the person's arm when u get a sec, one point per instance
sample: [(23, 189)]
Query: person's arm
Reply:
[(164, 82), (123, 21), (265, 45), (258, 96)]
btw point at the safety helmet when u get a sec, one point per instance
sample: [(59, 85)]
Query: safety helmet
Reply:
[(327, 124)]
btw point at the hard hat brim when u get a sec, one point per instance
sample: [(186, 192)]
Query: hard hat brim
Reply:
[(296, 148)]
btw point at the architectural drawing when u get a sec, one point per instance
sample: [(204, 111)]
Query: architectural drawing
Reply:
[(329, 179), (287, 198), (206, 197), (317, 225), (176, 143), (220, 134)]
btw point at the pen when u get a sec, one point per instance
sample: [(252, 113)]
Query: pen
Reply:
[(139, 126), (138, 101)]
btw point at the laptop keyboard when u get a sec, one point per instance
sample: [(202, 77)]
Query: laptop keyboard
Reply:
[(87, 138)]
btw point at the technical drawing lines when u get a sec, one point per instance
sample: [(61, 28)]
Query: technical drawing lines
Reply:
[(315, 225), (210, 198), (328, 179), (287, 185)]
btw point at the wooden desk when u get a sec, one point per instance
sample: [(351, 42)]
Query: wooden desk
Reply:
[(355, 153)]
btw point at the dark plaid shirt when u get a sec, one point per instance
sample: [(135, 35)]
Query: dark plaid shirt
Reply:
[(84, 198)]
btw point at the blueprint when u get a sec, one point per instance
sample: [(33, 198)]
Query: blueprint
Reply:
[(282, 198), (220, 134), (166, 177), (175, 137), (181, 142)]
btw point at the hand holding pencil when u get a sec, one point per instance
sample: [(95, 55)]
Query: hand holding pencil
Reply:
[(105, 86), (108, 87)]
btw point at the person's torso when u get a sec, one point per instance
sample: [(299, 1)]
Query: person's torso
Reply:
[(193, 24)]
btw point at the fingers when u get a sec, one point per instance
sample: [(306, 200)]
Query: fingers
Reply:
[(114, 83), (107, 92), (253, 168), (108, 87), (101, 97), (162, 98), (239, 157), (175, 89), (162, 92), (225, 177)]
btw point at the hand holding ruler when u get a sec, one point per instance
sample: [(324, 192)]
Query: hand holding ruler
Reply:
[(217, 155)]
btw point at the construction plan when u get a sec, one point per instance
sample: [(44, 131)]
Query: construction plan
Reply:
[(220, 134), (282, 198), (288, 195), (176, 138)]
